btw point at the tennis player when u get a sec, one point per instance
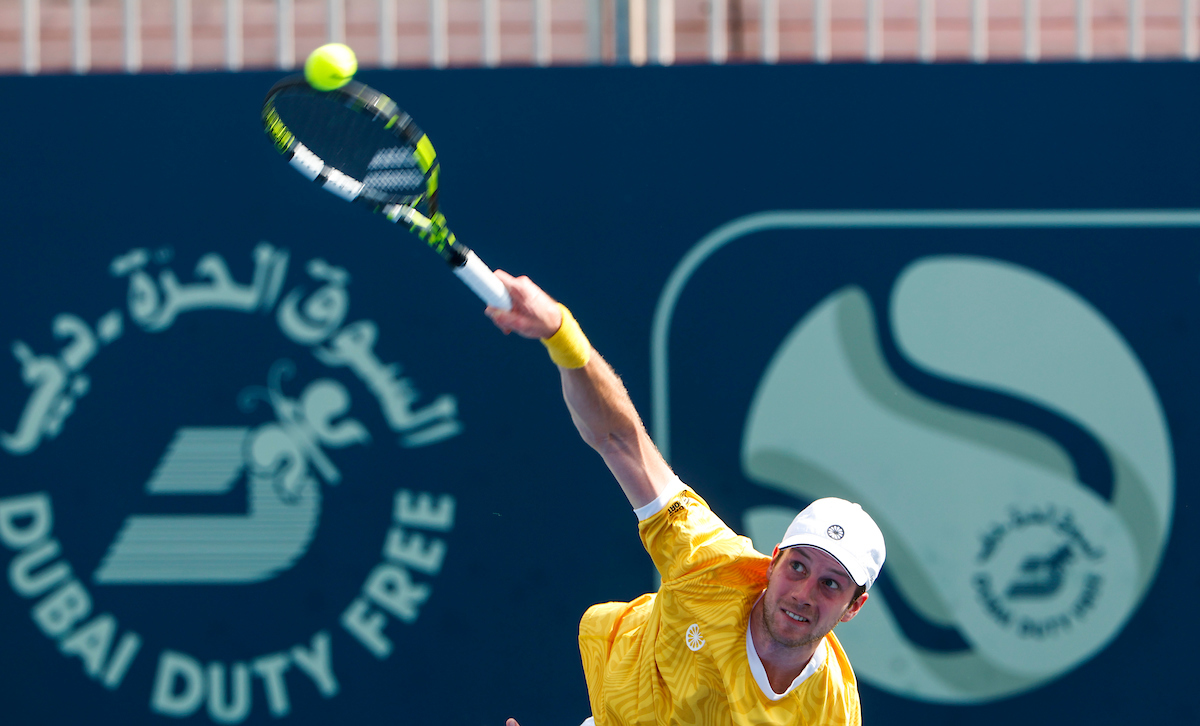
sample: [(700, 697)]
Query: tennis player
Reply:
[(732, 636)]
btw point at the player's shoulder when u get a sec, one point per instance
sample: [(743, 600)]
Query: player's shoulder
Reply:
[(841, 686), (838, 662), (687, 517)]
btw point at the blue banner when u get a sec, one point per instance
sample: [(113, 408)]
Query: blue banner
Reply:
[(266, 461)]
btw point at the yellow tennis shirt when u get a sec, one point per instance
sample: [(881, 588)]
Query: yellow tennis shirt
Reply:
[(682, 655)]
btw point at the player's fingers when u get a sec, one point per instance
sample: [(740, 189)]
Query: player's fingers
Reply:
[(524, 290), (511, 722), (496, 315), (519, 291), (534, 314), (518, 288)]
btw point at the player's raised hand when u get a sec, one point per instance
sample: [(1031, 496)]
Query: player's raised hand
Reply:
[(534, 314), (511, 722)]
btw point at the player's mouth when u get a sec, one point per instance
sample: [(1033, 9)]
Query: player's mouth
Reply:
[(795, 617)]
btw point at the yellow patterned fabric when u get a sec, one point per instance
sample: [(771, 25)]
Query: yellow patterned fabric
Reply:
[(679, 656)]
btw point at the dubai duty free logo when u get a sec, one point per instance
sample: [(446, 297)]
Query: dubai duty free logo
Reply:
[(990, 533), (280, 452)]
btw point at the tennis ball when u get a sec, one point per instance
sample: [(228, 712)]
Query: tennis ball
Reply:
[(330, 66)]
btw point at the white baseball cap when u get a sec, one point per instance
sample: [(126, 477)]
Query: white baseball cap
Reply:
[(843, 530)]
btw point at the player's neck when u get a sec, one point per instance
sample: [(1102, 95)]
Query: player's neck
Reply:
[(782, 663)]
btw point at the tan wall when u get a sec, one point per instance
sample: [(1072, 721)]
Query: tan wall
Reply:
[(1163, 36)]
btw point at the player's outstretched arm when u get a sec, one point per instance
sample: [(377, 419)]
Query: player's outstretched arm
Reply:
[(599, 404)]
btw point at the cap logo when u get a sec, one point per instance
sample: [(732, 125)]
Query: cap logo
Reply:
[(835, 531)]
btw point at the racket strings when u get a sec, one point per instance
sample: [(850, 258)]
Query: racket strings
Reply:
[(395, 171), (359, 144)]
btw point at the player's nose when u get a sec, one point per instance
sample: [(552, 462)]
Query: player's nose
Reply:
[(803, 590)]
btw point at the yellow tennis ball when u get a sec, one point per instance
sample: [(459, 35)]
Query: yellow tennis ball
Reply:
[(330, 66)]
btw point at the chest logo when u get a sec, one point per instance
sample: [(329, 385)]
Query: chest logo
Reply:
[(694, 640)]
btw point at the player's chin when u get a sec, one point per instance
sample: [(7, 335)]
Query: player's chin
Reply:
[(792, 638)]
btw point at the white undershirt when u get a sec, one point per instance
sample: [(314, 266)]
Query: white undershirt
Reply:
[(646, 511), (760, 672)]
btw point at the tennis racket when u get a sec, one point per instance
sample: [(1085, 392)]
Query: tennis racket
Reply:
[(359, 145)]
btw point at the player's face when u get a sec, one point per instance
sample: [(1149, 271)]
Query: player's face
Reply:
[(808, 593)]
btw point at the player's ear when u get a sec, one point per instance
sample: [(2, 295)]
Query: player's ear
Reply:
[(854, 608), (774, 559)]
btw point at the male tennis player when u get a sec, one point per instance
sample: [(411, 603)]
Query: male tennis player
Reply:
[(732, 636)]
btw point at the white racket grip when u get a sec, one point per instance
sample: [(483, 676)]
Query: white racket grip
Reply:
[(483, 282)]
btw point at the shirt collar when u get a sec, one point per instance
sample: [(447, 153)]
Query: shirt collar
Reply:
[(760, 673)]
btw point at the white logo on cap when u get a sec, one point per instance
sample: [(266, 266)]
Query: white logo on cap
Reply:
[(835, 531)]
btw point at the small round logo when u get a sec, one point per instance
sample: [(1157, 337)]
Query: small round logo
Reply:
[(694, 640), (1038, 573), (835, 531)]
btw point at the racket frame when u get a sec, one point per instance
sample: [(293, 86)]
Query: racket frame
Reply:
[(430, 224)]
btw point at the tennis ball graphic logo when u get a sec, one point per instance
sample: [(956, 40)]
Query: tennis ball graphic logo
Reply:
[(988, 529)]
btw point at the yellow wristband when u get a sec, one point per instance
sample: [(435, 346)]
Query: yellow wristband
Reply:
[(569, 347)]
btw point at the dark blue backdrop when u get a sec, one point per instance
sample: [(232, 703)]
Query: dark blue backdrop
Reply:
[(596, 183)]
